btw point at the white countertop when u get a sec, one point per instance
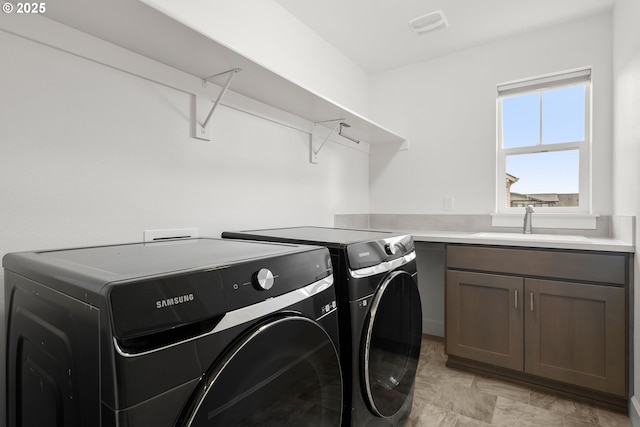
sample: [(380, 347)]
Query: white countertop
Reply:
[(555, 241)]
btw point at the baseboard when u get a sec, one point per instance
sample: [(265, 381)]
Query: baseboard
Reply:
[(433, 337), (634, 412), (433, 327)]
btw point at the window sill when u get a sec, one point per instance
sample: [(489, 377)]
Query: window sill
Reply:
[(547, 220)]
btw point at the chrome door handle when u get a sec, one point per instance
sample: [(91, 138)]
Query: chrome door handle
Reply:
[(515, 300), (531, 295)]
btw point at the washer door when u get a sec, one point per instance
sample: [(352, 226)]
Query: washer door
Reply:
[(392, 344), (285, 371)]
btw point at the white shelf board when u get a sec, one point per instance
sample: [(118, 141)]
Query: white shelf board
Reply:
[(141, 29)]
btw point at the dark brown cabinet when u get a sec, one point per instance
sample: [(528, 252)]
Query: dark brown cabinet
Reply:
[(539, 315), (484, 318), (575, 333)]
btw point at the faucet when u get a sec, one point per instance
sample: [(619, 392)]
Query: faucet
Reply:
[(528, 228)]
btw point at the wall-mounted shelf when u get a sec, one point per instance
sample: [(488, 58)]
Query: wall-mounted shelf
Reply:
[(141, 29), (318, 139), (201, 129)]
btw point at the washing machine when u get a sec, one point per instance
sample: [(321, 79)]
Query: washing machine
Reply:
[(198, 332), (379, 312)]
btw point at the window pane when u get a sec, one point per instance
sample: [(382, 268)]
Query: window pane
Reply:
[(563, 115), (521, 120), (543, 179)]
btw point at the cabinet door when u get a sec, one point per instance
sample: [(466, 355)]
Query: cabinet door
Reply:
[(484, 318), (575, 333)]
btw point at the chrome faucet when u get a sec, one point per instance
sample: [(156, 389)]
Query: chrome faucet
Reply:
[(528, 228)]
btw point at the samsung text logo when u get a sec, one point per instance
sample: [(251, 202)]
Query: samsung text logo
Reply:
[(174, 301)]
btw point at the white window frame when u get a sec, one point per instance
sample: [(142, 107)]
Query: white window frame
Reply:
[(538, 85)]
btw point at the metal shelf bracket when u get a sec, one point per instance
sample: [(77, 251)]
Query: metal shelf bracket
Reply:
[(202, 130), (317, 141)]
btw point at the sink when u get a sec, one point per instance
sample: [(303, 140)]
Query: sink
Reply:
[(538, 237)]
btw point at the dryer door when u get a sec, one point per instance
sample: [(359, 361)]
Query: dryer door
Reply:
[(285, 371), (392, 344)]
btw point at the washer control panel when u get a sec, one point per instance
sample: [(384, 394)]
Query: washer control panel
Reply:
[(262, 279), (374, 252), (390, 248)]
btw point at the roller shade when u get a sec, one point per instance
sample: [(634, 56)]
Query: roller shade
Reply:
[(562, 79)]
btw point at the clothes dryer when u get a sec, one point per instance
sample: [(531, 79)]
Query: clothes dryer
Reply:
[(197, 332), (380, 316)]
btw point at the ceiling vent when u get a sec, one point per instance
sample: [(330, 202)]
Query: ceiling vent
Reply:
[(430, 22)]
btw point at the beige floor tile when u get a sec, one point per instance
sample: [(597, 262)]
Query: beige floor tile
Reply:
[(446, 397), (502, 388), (509, 413), (608, 418), (466, 401), (571, 409), (416, 410), (470, 422), (432, 416), (570, 422), (425, 389), (432, 352), (432, 377)]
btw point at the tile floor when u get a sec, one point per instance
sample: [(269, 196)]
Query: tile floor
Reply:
[(446, 397)]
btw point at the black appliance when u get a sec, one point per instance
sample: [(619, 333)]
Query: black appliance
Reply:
[(379, 312), (198, 332)]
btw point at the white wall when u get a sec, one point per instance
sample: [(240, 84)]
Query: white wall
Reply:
[(93, 155), (265, 32), (446, 108), (626, 148)]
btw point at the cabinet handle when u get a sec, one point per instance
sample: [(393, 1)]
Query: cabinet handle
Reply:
[(515, 300), (531, 295)]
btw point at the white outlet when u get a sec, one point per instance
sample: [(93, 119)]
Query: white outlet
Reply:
[(448, 203)]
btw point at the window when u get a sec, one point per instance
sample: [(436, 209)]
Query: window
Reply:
[(544, 143)]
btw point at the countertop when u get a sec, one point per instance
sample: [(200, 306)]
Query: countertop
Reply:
[(555, 241)]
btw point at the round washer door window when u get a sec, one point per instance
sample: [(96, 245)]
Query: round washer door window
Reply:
[(392, 344), (284, 372)]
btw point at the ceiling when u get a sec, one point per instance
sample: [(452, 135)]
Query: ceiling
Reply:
[(375, 34)]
